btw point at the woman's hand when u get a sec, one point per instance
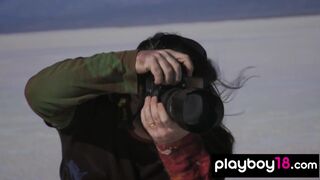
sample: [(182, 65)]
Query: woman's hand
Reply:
[(158, 124), (164, 64)]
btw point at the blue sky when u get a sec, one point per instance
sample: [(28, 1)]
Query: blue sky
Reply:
[(39, 15)]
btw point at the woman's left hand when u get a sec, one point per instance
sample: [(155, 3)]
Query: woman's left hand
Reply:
[(158, 124)]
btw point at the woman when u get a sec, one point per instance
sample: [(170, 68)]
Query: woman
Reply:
[(93, 102)]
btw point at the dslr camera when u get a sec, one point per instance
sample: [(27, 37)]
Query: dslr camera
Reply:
[(192, 104)]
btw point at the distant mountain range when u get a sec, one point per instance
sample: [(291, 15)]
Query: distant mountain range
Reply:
[(40, 15)]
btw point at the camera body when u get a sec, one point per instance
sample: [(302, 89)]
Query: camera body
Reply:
[(193, 105)]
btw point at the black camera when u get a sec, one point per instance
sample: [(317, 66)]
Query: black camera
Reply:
[(195, 106)]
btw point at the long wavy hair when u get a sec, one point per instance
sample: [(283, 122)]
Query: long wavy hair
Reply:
[(219, 139)]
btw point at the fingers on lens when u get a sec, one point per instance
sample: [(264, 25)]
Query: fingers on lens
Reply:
[(154, 111), (163, 115)]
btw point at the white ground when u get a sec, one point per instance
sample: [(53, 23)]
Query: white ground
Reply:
[(282, 107)]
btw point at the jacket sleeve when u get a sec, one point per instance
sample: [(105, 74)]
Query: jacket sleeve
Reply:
[(186, 159), (54, 92)]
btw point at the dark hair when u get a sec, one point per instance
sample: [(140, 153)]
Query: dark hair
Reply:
[(219, 139)]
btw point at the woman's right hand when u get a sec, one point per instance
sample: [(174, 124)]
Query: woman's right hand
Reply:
[(164, 64)]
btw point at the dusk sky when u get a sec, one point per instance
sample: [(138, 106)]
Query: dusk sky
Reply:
[(38, 15)]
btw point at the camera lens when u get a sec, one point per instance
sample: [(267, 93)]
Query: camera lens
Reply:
[(196, 110), (192, 109)]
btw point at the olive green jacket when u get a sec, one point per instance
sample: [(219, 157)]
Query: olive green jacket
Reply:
[(55, 92)]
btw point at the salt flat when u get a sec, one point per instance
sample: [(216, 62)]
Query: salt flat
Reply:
[(281, 107)]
